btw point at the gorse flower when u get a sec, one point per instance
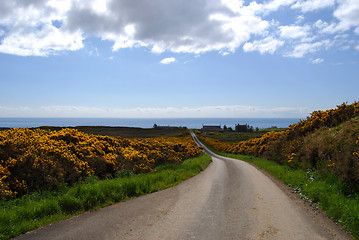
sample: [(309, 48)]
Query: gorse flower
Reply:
[(303, 145), (41, 159)]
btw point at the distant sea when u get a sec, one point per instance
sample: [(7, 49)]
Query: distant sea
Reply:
[(145, 122)]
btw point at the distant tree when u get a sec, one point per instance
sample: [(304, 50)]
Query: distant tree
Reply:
[(224, 128), (249, 128), (155, 125), (230, 129), (257, 129)]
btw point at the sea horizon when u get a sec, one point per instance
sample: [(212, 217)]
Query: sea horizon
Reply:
[(23, 122)]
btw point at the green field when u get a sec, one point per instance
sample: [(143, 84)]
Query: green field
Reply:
[(232, 136), (125, 132)]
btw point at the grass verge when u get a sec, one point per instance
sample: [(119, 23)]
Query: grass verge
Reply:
[(327, 192), (32, 211)]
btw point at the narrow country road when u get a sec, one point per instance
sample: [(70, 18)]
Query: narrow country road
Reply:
[(229, 200)]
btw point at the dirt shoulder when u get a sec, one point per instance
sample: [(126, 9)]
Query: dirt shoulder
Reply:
[(311, 209)]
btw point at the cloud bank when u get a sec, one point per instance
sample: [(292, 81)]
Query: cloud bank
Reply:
[(47, 27), (168, 112)]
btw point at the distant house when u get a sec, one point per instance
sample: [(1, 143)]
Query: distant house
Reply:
[(211, 128), (243, 128)]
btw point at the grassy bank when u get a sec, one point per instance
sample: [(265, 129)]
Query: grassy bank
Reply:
[(327, 192), (327, 141), (32, 211)]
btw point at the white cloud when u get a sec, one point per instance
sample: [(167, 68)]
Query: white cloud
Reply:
[(326, 28), (205, 111), (168, 60), (357, 47), (42, 43), (234, 5), (30, 31), (305, 48), (99, 6), (240, 28), (294, 31), (268, 6), (317, 60), (276, 4), (313, 5), (267, 45), (348, 14), (320, 24), (174, 26), (194, 27), (300, 19)]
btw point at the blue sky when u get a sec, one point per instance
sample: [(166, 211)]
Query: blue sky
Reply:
[(204, 58)]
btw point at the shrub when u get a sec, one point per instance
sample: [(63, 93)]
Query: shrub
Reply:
[(32, 160), (326, 141)]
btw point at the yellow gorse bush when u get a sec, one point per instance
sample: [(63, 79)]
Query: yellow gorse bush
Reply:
[(42, 159), (300, 146), (253, 146), (328, 118), (356, 153)]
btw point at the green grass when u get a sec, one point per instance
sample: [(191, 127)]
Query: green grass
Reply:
[(234, 137), (328, 192), (33, 211)]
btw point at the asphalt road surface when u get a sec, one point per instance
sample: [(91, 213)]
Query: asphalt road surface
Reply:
[(229, 200)]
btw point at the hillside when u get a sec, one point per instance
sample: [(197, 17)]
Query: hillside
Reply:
[(327, 141)]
